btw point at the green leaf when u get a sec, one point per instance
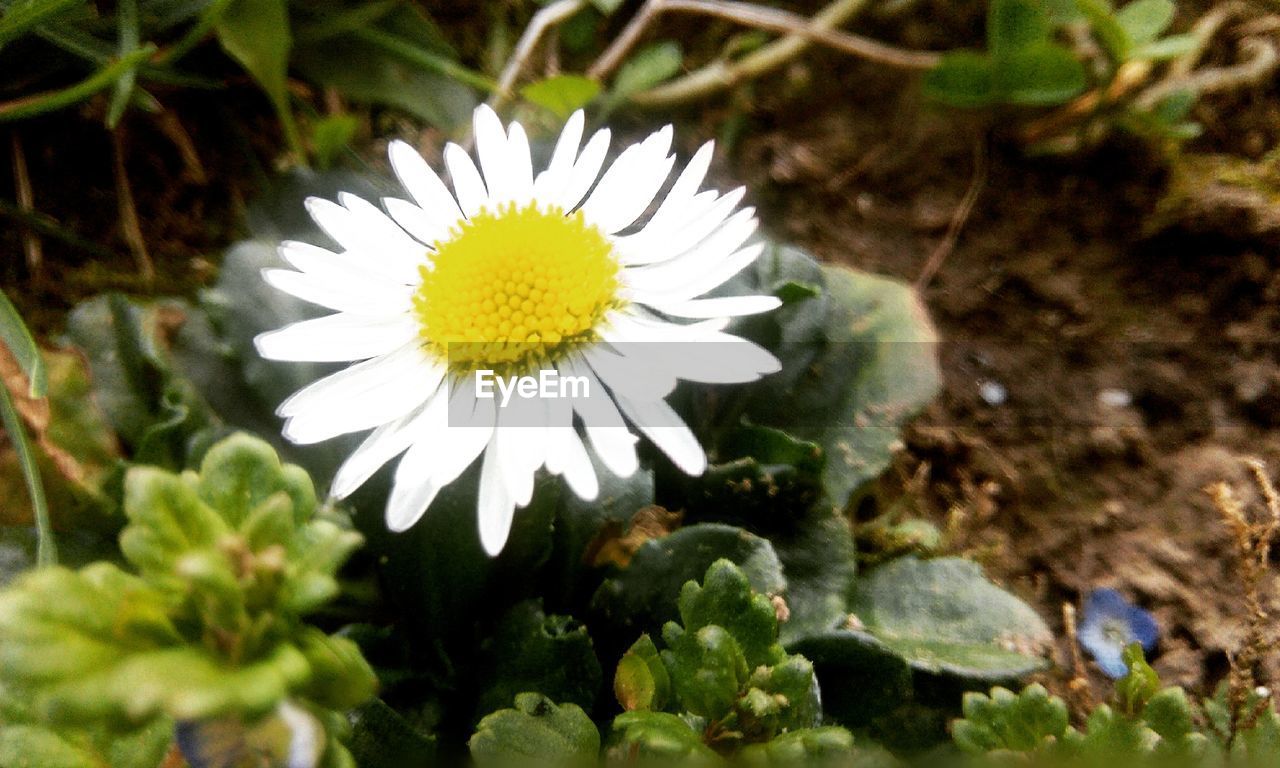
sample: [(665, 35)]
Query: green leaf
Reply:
[(829, 746), (641, 681), (538, 732), (964, 79), (15, 336), (51, 101), (783, 697), (872, 367), (405, 62), (341, 679), (382, 738), (127, 21), (707, 669), (1145, 20), (562, 94), (606, 7), (256, 34), (725, 598), (646, 68), (1115, 40), (21, 16), (642, 598), (1135, 689), (944, 617), (657, 737), (1044, 74), (533, 652), (1004, 721), (331, 135), (1014, 25)]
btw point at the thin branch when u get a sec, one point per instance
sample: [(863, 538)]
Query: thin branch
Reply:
[(26, 201), (719, 76), (959, 217), (617, 51), (1260, 58), (800, 33), (130, 227), (543, 20), (778, 20)]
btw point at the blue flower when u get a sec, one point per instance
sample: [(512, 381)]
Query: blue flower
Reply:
[(1111, 624)]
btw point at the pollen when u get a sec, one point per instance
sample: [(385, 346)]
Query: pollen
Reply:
[(512, 289)]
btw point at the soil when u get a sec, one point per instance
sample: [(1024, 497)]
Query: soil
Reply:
[(1107, 323)]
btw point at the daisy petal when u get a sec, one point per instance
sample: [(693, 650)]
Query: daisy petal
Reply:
[(659, 243), (495, 160), (550, 183), (424, 185), (663, 426), (389, 398), (333, 391), (415, 221), (576, 464), (382, 445), (628, 187), (585, 171), (472, 196), (495, 507), (336, 339), (353, 298), (721, 306)]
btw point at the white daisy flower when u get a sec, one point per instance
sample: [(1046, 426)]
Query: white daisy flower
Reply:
[(518, 274)]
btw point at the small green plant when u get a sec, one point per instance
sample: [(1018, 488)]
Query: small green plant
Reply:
[(1029, 63), (721, 687), (1145, 723), (205, 628)]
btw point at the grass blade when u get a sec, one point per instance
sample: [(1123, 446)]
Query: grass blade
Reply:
[(130, 37), (20, 17), (14, 334), (50, 101)]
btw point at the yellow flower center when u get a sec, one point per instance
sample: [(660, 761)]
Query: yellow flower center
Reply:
[(512, 289)]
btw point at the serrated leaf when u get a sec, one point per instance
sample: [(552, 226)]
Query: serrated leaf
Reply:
[(533, 652), (382, 738), (707, 669), (725, 598), (657, 736), (537, 731), (643, 597), (1004, 721), (1145, 20), (562, 94), (1042, 74), (829, 746)]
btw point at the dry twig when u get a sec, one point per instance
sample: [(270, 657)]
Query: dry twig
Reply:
[(130, 227), (959, 217), (31, 245), (1254, 540), (800, 33)]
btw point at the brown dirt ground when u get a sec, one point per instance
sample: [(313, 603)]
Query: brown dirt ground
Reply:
[(1063, 284)]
